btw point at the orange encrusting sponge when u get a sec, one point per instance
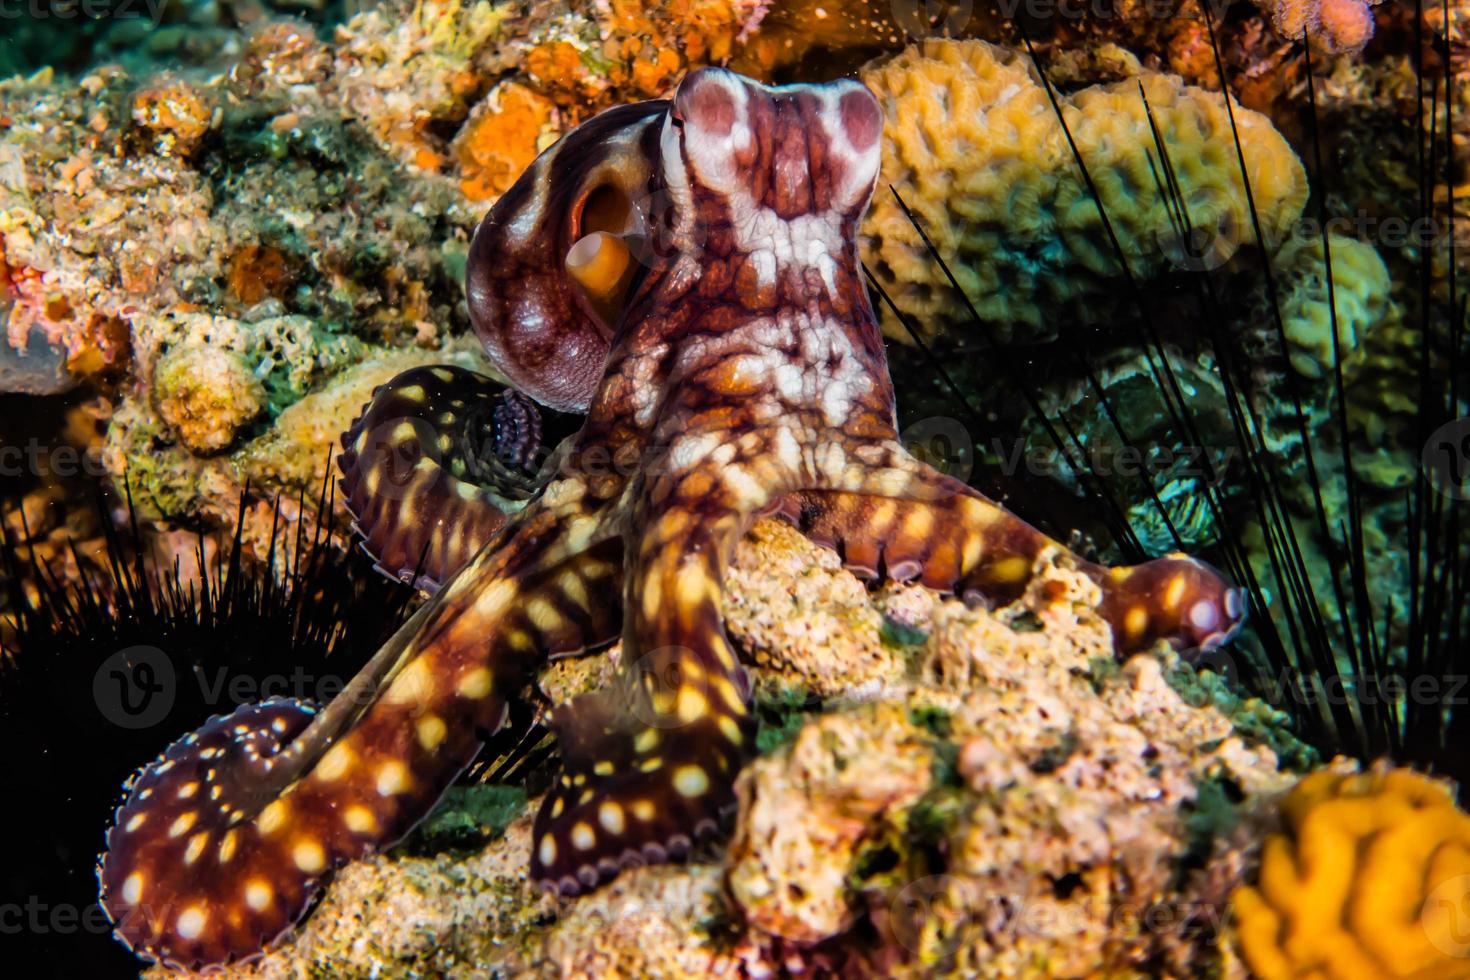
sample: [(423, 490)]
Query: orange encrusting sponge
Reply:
[(1370, 880)]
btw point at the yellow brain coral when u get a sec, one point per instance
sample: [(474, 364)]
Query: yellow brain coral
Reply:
[(973, 145), (1360, 295), (1372, 879)]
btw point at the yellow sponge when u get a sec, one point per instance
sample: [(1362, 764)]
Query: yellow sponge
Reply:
[(1371, 879), (973, 145)]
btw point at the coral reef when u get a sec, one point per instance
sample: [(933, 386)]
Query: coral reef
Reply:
[(974, 148), (1359, 299), (206, 394), (1014, 800), (1370, 879), (1050, 786), (504, 133), (401, 71), (1332, 26), (596, 55), (209, 255), (218, 247)]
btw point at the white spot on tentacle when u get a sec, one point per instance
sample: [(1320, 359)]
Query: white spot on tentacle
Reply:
[(191, 922), (1203, 615)]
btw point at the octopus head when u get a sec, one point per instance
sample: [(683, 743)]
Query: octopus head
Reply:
[(753, 186), (759, 157), (760, 184)]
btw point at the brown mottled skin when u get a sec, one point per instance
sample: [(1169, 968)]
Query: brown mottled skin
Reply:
[(745, 375)]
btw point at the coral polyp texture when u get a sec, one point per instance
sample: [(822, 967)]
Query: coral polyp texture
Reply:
[(1370, 878), (1354, 303), (742, 375), (1331, 26), (974, 147)]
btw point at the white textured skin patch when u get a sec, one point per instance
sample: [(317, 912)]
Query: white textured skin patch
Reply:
[(1202, 615), (824, 372), (809, 241)]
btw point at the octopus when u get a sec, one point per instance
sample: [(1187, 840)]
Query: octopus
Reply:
[(683, 273)]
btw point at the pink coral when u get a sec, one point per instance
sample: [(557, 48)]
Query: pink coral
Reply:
[(1333, 26)]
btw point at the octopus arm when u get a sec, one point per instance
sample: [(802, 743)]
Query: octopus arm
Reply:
[(906, 521), (433, 466), (648, 766), (223, 840)]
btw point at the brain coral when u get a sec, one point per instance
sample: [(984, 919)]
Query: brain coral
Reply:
[(974, 147), (1371, 879), (1360, 293)]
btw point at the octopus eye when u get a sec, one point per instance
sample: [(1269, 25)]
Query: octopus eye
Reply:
[(608, 209), (599, 261), (601, 265)]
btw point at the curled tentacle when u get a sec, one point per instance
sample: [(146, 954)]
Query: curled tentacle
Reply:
[(433, 466), (1175, 598), (223, 841), (166, 880)]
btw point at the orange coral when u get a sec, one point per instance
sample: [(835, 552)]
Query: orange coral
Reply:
[(1371, 880), (258, 271), (501, 138), (174, 113), (645, 47)]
